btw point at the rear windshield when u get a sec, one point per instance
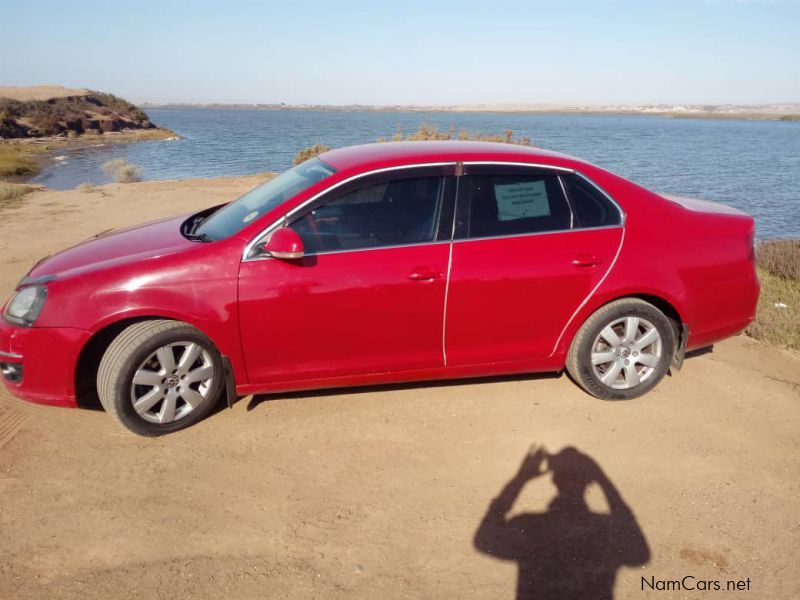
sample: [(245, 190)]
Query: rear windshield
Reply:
[(234, 217)]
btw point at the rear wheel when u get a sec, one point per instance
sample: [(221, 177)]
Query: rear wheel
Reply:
[(622, 351), (159, 376)]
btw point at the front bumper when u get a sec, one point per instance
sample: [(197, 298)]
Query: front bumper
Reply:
[(38, 364)]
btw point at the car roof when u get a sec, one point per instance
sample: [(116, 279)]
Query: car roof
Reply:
[(388, 154)]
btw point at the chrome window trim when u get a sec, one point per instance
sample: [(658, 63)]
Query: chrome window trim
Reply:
[(277, 223), (458, 241), (10, 356), (535, 233), (367, 249), (518, 164), (569, 202)]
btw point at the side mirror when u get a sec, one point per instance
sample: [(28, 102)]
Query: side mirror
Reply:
[(284, 243)]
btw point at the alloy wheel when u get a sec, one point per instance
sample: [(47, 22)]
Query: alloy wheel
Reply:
[(626, 352), (171, 382)]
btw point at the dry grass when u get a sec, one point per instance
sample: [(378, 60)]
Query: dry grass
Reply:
[(14, 191), (430, 132), (778, 316), (780, 258), (310, 152), (14, 161), (88, 187), (122, 171), (39, 92), (425, 133)]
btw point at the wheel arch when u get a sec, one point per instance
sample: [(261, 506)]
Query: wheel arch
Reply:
[(88, 361), (664, 302)]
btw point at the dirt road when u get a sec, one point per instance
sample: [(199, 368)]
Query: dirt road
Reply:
[(385, 493)]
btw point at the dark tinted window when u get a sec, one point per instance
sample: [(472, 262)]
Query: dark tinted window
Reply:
[(391, 213), (513, 204), (591, 207)]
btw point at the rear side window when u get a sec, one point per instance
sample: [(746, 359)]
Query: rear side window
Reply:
[(511, 204), (591, 207)]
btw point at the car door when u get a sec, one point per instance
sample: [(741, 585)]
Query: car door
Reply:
[(522, 263), (368, 296)]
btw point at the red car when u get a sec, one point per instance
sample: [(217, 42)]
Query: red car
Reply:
[(384, 263)]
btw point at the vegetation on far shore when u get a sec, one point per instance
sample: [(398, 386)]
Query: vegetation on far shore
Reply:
[(778, 315), (305, 153), (425, 132)]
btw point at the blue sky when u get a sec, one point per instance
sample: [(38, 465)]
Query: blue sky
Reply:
[(405, 52)]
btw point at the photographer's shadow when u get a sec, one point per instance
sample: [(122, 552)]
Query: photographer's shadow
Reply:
[(569, 551)]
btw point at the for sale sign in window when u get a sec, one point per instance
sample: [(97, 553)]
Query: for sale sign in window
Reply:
[(521, 200)]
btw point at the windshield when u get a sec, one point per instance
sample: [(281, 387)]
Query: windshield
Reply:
[(232, 218)]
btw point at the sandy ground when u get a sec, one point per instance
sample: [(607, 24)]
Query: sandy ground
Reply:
[(379, 493)]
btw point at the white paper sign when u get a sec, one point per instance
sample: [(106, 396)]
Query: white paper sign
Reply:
[(521, 200)]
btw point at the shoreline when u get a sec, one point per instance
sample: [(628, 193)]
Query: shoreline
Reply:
[(745, 114), (42, 150)]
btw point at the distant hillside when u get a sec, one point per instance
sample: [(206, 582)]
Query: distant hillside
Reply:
[(39, 111)]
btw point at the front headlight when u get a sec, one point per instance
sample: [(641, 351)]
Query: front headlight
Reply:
[(25, 306)]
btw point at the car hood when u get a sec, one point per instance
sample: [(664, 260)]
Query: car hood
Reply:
[(112, 248)]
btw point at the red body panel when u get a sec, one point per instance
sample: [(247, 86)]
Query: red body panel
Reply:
[(509, 298), (500, 305), (348, 312)]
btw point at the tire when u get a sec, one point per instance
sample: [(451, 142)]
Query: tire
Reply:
[(169, 396), (618, 373)]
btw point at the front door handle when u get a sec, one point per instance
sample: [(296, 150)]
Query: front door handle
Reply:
[(422, 274), (586, 260)]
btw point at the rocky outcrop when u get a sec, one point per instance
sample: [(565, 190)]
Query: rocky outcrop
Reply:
[(68, 113)]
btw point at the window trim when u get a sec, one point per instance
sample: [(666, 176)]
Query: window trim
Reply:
[(280, 221)]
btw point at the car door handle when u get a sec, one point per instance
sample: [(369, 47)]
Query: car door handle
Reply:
[(424, 275), (586, 260)]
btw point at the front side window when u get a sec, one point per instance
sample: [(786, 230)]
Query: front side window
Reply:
[(512, 204), (234, 217), (389, 213)]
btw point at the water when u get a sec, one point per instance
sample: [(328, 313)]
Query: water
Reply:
[(753, 165)]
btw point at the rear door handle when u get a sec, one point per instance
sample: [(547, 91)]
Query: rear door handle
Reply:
[(422, 274), (586, 260)]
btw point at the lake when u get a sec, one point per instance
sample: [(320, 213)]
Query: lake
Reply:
[(752, 165)]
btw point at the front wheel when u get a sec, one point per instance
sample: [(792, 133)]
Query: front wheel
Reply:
[(622, 351), (159, 376)]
